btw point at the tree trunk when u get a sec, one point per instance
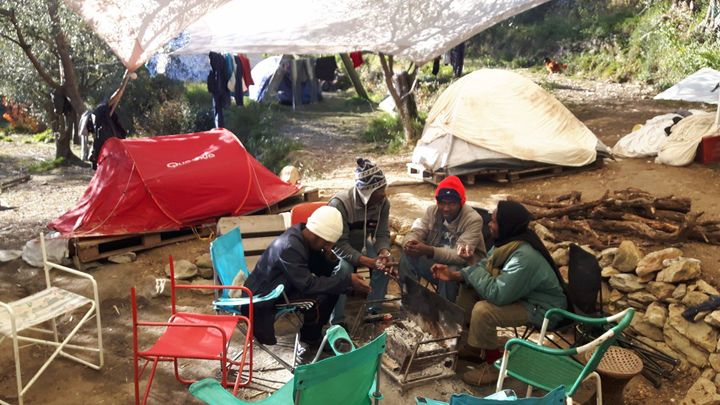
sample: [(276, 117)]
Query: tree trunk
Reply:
[(354, 77), (70, 84), (403, 97)]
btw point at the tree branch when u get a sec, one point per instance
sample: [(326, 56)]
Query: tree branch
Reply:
[(388, 73)]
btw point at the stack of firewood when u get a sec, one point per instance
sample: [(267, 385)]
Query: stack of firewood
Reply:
[(627, 213)]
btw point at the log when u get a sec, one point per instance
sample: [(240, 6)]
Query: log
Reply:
[(645, 231), (539, 203), (673, 204), (580, 227), (560, 212), (604, 213)]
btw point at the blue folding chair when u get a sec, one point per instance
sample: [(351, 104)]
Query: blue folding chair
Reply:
[(228, 258), (554, 397)]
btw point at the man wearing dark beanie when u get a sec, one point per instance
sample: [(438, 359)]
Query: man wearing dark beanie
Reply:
[(435, 237)]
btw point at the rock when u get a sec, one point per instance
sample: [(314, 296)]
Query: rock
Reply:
[(683, 270), (290, 174), (204, 261), (662, 347), (683, 345), (700, 333), (184, 270), (609, 271), (645, 328), (653, 262), (656, 314), (203, 291), (646, 278), (563, 270), (636, 304), (714, 360), (607, 256), (703, 286), (128, 257), (604, 292), (713, 318), (542, 232), (626, 282), (661, 291), (9, 255), (680, 292), (694, 298), (642, 297), (206, 273), (626, 257), (700, 315), (703, 392), (717, 380), (616, 296), (561, 257), (708, 373)]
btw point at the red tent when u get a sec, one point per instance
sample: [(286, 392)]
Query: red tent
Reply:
[(170, 182)]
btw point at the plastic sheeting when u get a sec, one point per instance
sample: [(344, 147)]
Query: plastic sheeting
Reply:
[(497, 114), (647, 140), (680, 147), (416, 30), (698, 87)]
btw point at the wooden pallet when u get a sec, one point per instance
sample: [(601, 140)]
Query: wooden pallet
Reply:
[(258, 232), (502, 175), (84, 250)]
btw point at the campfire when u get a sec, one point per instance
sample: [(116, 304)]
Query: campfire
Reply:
[(422, 340)]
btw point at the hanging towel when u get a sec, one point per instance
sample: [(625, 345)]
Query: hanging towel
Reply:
[(247, 77), (357, 59)]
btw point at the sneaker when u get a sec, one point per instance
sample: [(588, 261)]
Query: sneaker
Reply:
[(484, 374), (306, 352)]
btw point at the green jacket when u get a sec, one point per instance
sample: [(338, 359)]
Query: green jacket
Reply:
[(526, 277)]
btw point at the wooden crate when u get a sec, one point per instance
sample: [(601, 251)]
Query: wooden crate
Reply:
[(258, 232)]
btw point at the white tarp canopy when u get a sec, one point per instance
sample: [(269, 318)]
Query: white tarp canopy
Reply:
[(416, 30), (492, 115), (698, 87)]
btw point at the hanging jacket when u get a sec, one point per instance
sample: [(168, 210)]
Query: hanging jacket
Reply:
[(360, 222)]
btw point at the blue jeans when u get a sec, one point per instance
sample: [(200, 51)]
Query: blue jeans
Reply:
[(416, 267), (378, 284)]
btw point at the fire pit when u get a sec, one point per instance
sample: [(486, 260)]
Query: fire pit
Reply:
[(422, 337)]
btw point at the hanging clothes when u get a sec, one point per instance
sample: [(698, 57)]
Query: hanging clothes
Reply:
[(217, 86), (457, 58), (356, 58), (325, 68), (247, 77), (104, 127), (231, 73), (436, 66), (238, 91)]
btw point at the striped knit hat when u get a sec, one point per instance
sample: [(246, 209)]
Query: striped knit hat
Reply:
[(368, 178)]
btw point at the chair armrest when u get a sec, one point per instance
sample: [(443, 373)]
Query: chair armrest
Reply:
[(74, 272), (538, 348), (11, 312), (575, 317), (233, 302)]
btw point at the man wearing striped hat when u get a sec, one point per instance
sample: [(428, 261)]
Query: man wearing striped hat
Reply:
[(366, 235)]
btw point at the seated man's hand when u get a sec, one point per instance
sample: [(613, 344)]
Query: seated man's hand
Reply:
[(444, 273), (415, 248), (359, 284), (467, 253)]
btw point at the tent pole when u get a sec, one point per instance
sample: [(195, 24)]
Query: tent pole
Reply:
[(354, 77)]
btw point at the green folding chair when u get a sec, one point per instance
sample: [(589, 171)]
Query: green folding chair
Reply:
[(349, 378), (548, 368), (555, 397)]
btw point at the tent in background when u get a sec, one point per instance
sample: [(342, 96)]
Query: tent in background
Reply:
[(499, 119), (699, 87), (415, 30), (171, 182)]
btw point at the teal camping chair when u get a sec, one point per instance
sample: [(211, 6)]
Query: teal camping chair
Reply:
[(350, 379), (228, 258), (554, 397), (548, 368)]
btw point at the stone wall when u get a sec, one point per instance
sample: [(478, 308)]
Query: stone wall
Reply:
[(661, 285)]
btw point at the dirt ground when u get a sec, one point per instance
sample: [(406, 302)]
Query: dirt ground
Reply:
[(330, 133)]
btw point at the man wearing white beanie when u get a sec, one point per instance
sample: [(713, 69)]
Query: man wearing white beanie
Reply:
[(295, 259)]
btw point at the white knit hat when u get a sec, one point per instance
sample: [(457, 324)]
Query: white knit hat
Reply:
[(326, 222)]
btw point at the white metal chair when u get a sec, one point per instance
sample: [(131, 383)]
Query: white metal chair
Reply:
[(28, 314)]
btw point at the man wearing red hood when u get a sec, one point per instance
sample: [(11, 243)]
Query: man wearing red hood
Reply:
[(435, 237)]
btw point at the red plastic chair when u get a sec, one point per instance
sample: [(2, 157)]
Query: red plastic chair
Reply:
[(301, 212), (193, 336)]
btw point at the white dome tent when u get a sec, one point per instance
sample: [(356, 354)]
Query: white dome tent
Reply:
[(499, 119)]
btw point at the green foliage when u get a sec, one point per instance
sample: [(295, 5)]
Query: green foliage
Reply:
[(45, 165), (46, 136), (388, 129), (157, 105), (631, 40), (255, 125)]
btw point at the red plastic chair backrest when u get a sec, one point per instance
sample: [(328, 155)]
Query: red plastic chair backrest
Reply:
[(301, 212)]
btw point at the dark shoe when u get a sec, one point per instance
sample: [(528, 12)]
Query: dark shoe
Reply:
[(306, 352)]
